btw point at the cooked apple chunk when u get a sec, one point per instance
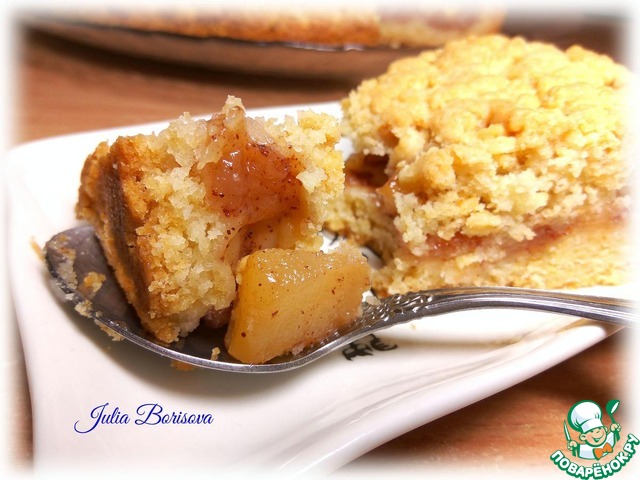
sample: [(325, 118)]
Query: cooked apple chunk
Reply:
[(290, 299)]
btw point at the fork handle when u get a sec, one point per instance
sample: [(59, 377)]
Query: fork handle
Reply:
[(403, 308)]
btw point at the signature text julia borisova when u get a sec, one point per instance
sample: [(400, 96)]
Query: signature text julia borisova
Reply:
[(145, 414)]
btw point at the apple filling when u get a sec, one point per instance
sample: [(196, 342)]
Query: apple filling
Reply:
[(254, 187), (290, 299)]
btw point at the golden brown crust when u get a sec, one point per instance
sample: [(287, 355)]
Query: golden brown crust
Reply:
[(418, 27), (107, 174)]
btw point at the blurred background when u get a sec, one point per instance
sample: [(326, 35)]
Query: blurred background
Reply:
[(303, 54)]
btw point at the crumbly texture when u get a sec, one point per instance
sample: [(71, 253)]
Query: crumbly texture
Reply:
[(415, 26), (91, 283), (176, 210), (115, 336), (479, 160)]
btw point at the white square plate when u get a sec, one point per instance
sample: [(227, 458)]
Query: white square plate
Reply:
[(315, 419)]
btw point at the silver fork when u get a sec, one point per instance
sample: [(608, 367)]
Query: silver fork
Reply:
[(73, 254)]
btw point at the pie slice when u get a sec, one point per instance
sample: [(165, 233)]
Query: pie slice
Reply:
[(175, 211), (490, 161)]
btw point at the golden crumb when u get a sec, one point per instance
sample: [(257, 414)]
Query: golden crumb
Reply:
[(115, 336), (215, 353), (182, 366), (37, 249), (91, 283)]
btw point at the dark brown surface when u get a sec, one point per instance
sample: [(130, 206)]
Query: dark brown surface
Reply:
[(63, 87)]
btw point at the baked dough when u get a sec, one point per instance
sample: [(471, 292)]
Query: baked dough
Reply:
[(492, 160), (343, 26)]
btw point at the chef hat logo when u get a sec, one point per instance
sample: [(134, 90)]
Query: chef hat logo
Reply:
[(584, 416)]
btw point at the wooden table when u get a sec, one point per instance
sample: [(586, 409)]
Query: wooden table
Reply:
[(64, 87)]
